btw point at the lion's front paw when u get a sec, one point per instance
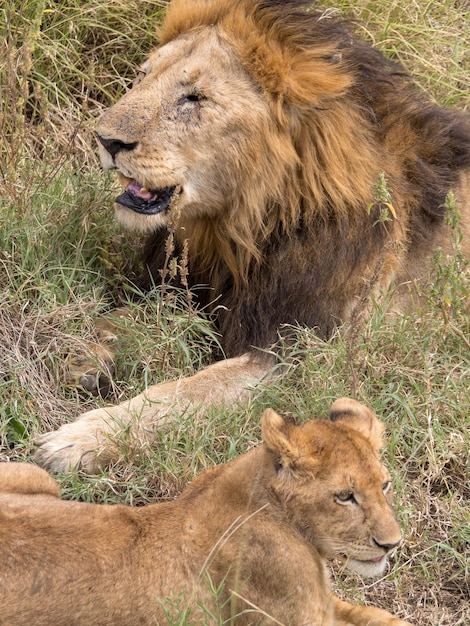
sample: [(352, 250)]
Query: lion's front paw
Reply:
[(93, 372), (75, 446), (59, 453), (93, 367)]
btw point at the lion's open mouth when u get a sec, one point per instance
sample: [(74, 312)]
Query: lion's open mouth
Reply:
[(146, 201)]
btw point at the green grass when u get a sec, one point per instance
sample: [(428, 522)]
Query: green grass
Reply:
[(63, 261)]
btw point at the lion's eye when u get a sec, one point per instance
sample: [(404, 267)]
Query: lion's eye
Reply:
[(386, 486), (345, 497)]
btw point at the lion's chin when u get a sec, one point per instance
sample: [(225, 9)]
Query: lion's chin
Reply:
[(367, 569), (138, 222)]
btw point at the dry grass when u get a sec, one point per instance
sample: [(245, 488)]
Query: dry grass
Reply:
[(62, 262)]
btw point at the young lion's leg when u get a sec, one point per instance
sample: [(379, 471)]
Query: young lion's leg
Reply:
[(85, 443), (351, 615)]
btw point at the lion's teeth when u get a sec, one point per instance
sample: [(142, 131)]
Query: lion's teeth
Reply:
[(144, 190), (124, 180)]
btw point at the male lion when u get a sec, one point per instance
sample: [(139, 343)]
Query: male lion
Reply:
[(257, 134), (255, 531)]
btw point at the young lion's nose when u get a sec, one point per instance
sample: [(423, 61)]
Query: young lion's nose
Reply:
[(387, 546), (113, 146)]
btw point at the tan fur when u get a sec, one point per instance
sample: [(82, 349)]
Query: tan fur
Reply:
[(273, 124), (257, 530)]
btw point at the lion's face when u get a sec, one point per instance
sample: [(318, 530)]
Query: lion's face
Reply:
[(184, 135), (337, 491)]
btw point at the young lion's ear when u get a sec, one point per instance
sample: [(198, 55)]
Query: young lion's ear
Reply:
[(276, 435), (360, 418)]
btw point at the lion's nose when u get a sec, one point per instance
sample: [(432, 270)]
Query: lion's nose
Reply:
[(113, 146)]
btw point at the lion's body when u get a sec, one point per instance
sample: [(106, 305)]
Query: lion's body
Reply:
[(257, 528), (256, 136)]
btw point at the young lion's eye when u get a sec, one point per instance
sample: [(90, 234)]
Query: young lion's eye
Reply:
[(191, 98), (386, 486), (345, 497)]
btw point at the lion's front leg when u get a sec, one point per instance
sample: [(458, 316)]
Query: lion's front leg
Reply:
[(352, 615), (87, 443)]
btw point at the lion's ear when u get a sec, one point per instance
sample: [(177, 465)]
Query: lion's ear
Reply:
[(300, 79), (315, 78), (276, 435), (360, 418)]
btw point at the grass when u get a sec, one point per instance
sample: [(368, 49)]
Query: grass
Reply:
[(63, 262)]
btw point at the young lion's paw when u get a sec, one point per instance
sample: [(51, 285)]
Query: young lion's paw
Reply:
[(347, 614)]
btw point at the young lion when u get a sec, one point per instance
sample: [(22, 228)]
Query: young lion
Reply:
[(256, 530)]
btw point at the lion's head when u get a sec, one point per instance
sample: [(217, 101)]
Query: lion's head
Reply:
[(333, 485), (219, 129)]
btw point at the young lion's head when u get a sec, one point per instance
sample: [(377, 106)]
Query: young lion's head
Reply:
[(333, 486)]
